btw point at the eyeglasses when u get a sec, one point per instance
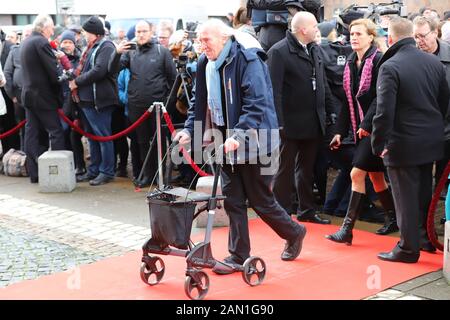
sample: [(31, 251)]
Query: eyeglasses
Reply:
[(421, 36)]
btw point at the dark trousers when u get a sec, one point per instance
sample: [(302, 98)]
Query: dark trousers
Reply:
[(247, 182), (119, 121), (78, 149), (297, 158), (338, 198), (321, 166), (37, 122), (441, 164), (412, 191), (140, 144)]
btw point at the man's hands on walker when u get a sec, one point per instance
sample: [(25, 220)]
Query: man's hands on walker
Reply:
[(230, 144), (182, 137)]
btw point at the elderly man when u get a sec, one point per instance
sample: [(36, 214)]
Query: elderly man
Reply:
[(41, 95), (426, 36), (408, 131), (233, 92), (303, 100)]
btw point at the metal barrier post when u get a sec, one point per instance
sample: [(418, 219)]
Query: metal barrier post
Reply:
[(159, 106)]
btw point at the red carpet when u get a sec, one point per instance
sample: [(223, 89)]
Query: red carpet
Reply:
[(325, 270)]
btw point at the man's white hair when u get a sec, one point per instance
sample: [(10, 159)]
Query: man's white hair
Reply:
[(41, 22), (216, 25)]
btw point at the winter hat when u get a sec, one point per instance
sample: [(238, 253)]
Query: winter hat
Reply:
[(94, 25), (108, 25), (68, 35), (325, 28), (446, 15), (131, 33)]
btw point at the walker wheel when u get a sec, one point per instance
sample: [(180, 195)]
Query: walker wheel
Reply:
[(196, 285), (152, 270), (254, 271)]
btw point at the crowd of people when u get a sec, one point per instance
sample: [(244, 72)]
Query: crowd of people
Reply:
[(371, 102)]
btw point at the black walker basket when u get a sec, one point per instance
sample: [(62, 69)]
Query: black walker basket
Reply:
[(172, 211), (170, 220)]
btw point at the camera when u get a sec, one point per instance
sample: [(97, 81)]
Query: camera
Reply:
[(67, 75), (132, 45), (374, 11), (182, 61)]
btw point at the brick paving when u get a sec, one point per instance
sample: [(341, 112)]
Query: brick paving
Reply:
[(37, 239)]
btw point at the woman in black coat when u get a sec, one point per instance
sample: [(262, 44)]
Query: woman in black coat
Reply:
[(360, 78)]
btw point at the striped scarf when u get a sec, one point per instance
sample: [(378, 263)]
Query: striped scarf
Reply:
[(364, 85), (81, 64)]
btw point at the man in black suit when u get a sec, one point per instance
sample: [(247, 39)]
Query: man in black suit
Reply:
[(41, 95), (408, 132), (301, 97)]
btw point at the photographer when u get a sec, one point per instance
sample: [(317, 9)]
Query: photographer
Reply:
[(152, 75)]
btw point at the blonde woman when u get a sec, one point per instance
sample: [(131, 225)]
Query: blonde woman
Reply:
[(360, 77)]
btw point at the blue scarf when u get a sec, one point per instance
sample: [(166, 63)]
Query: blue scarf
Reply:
[(213, 85)]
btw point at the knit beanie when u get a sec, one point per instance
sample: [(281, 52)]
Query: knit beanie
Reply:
[(94, 25), (68, 35), (131, 33), (325, 28)]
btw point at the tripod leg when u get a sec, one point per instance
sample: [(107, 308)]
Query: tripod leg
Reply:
[(147, 157)]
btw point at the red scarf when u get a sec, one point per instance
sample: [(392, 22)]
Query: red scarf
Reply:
[(80, 67)]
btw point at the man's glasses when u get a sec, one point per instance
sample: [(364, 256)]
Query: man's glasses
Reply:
[(421, 36)]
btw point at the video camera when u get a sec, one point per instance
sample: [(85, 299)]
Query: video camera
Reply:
[(67, 75), (182, 61), (374, 11), (371, 11), (266, 12), (190, 29)]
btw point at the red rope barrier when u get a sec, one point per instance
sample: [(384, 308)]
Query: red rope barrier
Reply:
[(431, 229), (104, 139), (13, 130), (185, 154)]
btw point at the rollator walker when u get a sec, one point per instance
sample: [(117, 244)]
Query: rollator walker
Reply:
[(172, 211)]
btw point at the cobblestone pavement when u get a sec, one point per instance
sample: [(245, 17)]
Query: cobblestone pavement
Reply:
[(24, 256), (37, 239)]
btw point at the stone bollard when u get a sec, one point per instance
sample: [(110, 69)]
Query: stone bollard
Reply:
[(446, 270), (205, 185), (56, 172)]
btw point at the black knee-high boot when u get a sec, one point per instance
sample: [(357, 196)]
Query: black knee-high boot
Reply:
[(390, 220), (345, 235)]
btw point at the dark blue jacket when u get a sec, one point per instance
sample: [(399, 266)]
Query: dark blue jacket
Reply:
[(247, 93), (99, 74)]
